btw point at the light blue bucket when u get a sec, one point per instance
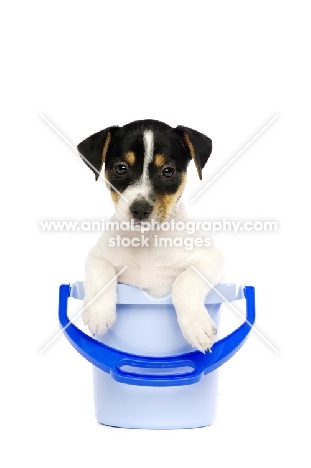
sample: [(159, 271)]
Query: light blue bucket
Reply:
[(145, 373)]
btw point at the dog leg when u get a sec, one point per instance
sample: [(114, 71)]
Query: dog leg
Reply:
[(188, 293), (100, 279)]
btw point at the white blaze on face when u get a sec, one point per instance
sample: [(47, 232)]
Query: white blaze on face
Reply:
[(141, 188), (148, 156)]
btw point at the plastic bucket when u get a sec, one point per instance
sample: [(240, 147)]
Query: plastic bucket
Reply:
[(145, 374)]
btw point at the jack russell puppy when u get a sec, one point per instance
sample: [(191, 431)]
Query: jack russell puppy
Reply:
[(145, 164)]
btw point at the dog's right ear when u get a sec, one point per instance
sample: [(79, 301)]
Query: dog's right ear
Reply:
[(94, 149)]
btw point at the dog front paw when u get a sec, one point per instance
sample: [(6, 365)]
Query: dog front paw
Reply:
[(198, 330), (99, 316)]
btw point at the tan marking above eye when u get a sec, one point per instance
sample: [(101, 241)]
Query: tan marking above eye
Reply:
[(130, 158), (159, 160)]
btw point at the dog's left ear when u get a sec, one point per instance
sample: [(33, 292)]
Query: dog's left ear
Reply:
[(198, 145), (94, 149)]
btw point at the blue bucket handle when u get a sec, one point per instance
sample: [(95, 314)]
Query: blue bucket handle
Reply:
[(111, 360)]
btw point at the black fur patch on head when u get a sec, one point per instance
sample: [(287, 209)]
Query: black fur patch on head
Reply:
[(198, 145), (94, 149), (124, 142), (177, 146), (176, 158)]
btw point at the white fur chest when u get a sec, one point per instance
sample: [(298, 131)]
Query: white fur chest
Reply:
[(148, 266)]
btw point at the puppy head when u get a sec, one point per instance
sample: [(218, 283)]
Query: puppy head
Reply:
[(145, 165)]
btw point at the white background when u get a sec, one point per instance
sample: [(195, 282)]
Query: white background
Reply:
[(225, 69)]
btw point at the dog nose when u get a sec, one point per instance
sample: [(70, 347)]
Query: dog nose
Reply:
[(140, 209)]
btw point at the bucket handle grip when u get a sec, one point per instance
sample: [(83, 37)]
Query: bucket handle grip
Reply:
[(111, 360)]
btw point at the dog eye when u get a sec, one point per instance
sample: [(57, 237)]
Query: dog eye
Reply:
[(120, 169), (168, 172)]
